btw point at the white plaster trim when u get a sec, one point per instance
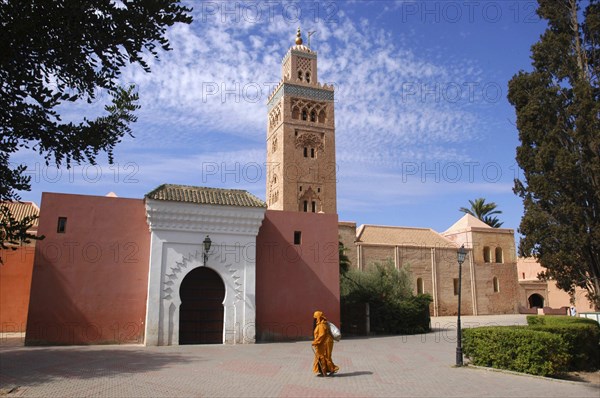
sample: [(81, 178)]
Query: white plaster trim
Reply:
[(177, 230), (178, 216)]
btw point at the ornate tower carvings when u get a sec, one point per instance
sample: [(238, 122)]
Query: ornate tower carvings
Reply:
[(301, 172)]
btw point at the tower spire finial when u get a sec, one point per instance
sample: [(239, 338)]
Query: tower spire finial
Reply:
[(298, 37)]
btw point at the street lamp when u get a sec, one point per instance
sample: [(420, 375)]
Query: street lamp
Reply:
[(207, 242), (461, 254)]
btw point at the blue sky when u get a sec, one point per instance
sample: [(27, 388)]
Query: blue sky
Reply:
[(422, 120)]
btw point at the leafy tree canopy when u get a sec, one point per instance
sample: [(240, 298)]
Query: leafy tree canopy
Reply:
[(59, 51), (557, 107)]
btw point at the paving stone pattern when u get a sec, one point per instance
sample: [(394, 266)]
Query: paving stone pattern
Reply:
[(392, 366)]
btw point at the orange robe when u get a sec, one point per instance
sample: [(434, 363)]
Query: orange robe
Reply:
[(323, 344)]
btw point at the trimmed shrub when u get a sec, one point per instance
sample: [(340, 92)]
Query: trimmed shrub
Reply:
[(520, 349), (581, 336), (407, 316), (559, 320)]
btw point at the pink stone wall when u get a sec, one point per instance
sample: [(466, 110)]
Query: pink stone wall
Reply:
[(293, 281), (15, 283), (89, 284), (529, 268)]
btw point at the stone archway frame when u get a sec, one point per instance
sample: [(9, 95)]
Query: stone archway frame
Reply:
[(232, 303), (538, 295), (176, 229)]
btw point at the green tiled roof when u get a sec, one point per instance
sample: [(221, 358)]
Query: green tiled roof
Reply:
[(20, 210), (205, 196)]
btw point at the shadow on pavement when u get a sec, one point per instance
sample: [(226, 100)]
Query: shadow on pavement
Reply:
[(30, 367), (358, 373)]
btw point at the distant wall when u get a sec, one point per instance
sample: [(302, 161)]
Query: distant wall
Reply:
[(15, 284), (347, 235), (528, 270), (295, 280), (89, 284)]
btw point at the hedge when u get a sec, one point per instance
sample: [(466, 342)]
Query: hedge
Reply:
[(408, 316), (581, 335), (559, 320), (516, 348)]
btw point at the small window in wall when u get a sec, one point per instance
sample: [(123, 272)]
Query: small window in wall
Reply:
[(420, 289), (455, 280), (499, 256), (304, 114), (523, 275), (308, 77), (314, 206), (305, 206), (487, 255), (496, 285), (312, 152), (313, 116), (319, 190), (305, 152), (61, 227), (299, 75), (300, 188), (297, 237)]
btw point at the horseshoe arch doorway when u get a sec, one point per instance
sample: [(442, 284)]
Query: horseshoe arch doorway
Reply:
[(201, 313), (536, 301)]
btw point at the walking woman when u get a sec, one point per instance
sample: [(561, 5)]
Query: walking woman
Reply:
[(323, 345)]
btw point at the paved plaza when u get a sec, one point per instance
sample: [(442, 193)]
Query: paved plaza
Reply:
[(395, 366)]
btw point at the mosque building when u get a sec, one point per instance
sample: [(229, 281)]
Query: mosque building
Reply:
[(195, 265)]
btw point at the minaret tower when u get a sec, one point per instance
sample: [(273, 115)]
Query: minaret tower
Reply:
[(301, 168)]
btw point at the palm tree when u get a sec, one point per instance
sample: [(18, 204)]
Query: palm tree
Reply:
[(484, 212)]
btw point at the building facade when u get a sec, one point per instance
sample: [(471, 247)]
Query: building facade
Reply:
[(15, 272), (117, 270), (489, 273)]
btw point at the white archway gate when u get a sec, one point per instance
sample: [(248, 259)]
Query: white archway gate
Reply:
[(177, 231)]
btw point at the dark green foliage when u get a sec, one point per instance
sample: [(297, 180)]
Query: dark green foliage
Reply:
[(344, 260), (557, 106), (519, 349), (393, 307), (59, 51), (581, 335), (484, 211), (548, 346), (552, 320), (407, 316), (13, 231)]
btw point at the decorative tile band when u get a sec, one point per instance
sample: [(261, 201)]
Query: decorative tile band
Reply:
[(317, 94)]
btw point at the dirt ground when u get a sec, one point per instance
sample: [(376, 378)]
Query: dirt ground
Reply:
[(588, 377)]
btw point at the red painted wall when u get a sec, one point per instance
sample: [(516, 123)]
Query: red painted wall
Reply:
[(293, 281), (15, 284), (89, 284)]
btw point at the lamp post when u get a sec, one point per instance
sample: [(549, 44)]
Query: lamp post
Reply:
[(461, 254), (207, 242)]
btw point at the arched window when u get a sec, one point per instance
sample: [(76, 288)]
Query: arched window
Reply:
[(313, 116), (420, 287), (304, 114), (308, 77), (499, 256), (299, 75), (295, 113), (487, 255), (496, 285), (322, 116)]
